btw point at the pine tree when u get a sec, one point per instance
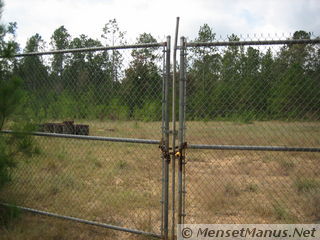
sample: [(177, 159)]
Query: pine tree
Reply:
[(10, 99)]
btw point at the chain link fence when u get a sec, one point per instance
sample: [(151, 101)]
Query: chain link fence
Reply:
[(246, 149), (97, 114), (252, 128)]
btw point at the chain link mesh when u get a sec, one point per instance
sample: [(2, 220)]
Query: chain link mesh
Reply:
[(252, 95), (261, 95), (114, 93)]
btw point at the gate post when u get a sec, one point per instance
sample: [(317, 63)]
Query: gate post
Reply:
[(181, 153), (165, 139)]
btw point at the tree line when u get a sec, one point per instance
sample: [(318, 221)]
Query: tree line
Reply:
[(113, 84), (253, 83), (223, 83)]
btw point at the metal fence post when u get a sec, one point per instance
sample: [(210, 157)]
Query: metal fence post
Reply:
[(165, 139), (183, 158), (182, 82), (163, 102), (174, 133)]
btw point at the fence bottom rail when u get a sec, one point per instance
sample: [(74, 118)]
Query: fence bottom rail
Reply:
[(49, 214)]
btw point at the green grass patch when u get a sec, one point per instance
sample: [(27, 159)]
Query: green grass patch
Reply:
[(306, 185)]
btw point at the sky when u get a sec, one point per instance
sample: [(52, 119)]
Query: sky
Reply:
[(246, 17)]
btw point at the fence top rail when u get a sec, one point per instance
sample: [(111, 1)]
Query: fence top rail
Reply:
[(92, 49), (244, 43)]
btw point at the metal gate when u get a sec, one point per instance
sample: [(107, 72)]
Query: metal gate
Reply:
[(248, 148), (103, 114)]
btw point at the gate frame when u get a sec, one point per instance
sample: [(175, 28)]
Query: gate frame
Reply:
[(184, 146), (163, 142)]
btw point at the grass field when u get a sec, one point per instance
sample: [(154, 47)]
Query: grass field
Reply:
[(120, 183)]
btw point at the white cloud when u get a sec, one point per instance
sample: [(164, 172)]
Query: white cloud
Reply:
[(158, 17)]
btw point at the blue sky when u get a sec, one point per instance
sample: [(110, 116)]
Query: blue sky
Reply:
[(267, 17)]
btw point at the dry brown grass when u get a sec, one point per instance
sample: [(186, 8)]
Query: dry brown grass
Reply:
[(252, 187), (120, 183)]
